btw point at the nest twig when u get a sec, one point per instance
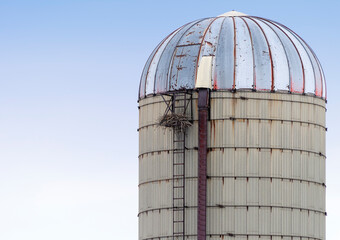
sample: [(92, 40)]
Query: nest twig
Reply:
[(179, 122)]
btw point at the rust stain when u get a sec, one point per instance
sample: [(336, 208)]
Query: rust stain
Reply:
[(215, 82), (213, 130), (233, 105)]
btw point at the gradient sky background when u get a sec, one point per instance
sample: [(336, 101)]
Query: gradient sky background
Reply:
[(69, 75)]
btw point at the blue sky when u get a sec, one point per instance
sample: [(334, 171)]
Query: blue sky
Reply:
[(69, 75)]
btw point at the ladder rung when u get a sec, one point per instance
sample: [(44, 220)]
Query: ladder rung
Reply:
[(178, 163), (178, 186), (176, 198)]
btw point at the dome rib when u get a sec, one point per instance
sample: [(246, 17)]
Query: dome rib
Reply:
[(302, 66), (319, 67), (214, 80), (234, 79), (285, 51), (246, 53), (305, 56), (171, 37), (154, 62), (252, 50), (270, 54)]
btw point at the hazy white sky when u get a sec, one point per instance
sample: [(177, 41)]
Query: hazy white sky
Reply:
[(69, 75)]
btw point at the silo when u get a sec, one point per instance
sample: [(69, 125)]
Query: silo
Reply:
[(232, 134)]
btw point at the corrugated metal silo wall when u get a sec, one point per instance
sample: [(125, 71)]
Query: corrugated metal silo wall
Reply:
[(266, 168)]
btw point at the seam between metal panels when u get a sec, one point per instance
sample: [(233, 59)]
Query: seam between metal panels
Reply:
[(270, 148), (252, 119), (174, 53), (220, 148), (246, 98), (234, 76), (271, 119), (238, 206), (201, 45), (297, 51), (270, 52), (237, 234), (269, 99), (283, 46), (236, 177), (216, 50), (252, 49), (285, 92)]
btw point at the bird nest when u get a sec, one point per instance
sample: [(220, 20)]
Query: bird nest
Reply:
[(179, 122)]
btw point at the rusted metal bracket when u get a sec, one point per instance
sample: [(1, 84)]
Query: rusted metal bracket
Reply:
[(174, 96)]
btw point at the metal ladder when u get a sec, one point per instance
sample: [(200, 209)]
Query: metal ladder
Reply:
[(179, 106), (178, 103)]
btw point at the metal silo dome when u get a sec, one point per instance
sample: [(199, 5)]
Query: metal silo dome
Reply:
[(237, 52)]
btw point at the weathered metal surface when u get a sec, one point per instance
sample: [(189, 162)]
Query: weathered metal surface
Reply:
[(266, 165), (248, 53), (265, 168)]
